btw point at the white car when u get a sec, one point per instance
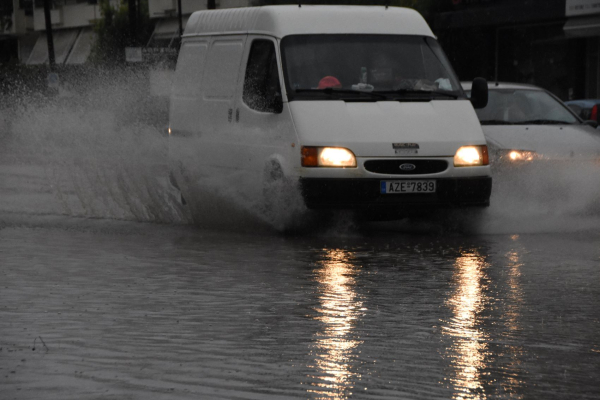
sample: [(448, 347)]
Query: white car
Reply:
[(524, 123)]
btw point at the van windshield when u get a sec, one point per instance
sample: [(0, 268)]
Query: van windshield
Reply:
[(374, 67)]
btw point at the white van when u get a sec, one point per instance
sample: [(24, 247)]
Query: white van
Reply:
[(357, 106)]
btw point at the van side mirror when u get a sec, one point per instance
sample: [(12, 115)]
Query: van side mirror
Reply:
[(479, 93)]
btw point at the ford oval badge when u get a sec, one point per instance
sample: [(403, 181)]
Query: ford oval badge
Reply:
[(408, 167)]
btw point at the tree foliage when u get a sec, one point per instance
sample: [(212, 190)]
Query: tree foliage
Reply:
[(114, 31)]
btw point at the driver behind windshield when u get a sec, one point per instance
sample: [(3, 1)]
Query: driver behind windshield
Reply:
[(383, 63)]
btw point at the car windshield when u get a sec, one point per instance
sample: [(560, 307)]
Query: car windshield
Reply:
[(329, 66), (522, 106)]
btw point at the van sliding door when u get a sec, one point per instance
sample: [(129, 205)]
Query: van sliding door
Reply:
[(186, 90), (263, 121), (221, 76)]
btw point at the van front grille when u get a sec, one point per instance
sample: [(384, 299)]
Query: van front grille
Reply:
[(406, 167)]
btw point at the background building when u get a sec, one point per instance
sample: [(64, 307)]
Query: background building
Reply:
[(550, 43), (72, 22), (23, 37)]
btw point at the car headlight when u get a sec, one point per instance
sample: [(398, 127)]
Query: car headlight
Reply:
[(519, 155), (471, 156), (336, 157)]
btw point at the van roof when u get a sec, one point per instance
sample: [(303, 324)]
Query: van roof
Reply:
[(280, 21)]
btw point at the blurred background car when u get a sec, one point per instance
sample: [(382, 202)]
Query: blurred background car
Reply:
[(585, 109), (523, 123)]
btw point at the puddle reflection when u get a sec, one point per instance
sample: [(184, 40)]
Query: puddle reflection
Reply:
[(334, 346), (469, 348), (513, 371), (479, 371)]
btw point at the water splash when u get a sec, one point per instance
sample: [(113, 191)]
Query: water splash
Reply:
[(561, 196), (101, 156), (102, 145)]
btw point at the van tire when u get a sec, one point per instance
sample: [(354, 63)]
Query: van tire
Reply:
[(273, 187), (280, 198)]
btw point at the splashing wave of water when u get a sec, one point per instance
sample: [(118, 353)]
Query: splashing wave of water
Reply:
[(103, 151)]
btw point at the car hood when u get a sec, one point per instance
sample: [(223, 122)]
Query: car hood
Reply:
[(549, 141), (369, 129)]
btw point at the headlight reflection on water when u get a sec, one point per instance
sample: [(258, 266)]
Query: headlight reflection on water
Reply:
[(339, 310), (476, 371), (470, 344), (513, 370), (522, 155)]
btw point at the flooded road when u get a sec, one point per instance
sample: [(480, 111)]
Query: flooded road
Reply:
[(99, 308), (108, 292)]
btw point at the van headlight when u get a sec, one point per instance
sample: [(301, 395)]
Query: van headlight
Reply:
[(336, 157), (471, 156)]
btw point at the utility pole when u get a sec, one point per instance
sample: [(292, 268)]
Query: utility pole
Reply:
[(139, 12), (132, 22), (179, 16), (51, 57), (211, 4)]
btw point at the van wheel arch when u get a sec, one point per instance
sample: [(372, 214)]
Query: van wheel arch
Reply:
[(274, 169), (281, 200)]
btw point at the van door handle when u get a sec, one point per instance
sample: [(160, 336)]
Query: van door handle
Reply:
[(230, 115), (237, 115)]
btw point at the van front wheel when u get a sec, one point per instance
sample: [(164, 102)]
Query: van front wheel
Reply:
[(273, 189), (281, 198)]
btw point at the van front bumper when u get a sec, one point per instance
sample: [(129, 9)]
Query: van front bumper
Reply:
[(364, 194)]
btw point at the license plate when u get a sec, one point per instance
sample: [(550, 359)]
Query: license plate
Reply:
[(392, 187)]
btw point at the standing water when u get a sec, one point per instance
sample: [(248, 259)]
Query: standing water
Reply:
[(109, 289)]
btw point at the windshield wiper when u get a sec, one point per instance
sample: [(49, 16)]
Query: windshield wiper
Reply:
[(543, 122), (412, 91), (495, 122), (331, 91)]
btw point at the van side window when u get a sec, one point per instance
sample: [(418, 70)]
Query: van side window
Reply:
[(262, 90)]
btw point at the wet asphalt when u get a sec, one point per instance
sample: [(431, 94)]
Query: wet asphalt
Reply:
[(105, 309)]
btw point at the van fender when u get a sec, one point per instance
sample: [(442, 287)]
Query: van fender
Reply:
[(281, 198), (275, 168)]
